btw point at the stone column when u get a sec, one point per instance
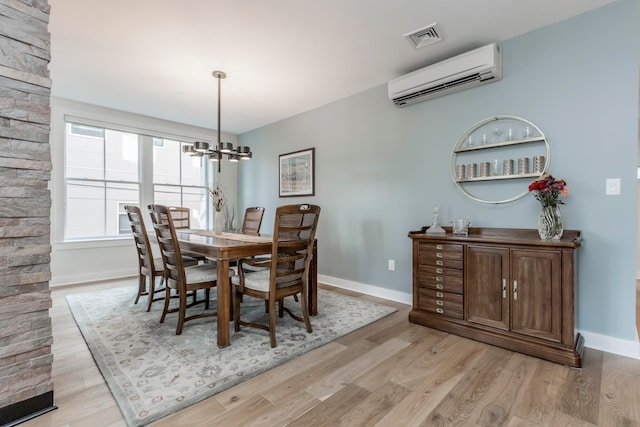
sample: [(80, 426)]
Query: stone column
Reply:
[(26, 386)]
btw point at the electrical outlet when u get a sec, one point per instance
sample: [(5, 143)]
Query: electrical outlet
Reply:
[(613, 187), (392, 265)]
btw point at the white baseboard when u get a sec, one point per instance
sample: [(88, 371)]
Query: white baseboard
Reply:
[(376, 291), (609, 344), (606, 343), (98, 276)]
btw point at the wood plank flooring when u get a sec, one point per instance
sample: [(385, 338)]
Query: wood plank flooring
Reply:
[(390, 373)]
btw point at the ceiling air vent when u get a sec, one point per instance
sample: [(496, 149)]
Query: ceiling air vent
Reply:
[(424, 36)]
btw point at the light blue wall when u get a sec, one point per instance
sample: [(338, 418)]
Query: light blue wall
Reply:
[(380, 169)]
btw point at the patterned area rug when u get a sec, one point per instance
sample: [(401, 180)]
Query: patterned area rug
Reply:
[(153, 373)]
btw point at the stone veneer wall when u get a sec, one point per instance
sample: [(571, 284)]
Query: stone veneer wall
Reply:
[(26, 385)]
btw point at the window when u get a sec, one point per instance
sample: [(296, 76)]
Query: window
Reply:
[(103, 174), (102, 169), (180, 180)]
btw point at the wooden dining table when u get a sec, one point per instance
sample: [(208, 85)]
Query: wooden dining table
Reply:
[(225, 247)]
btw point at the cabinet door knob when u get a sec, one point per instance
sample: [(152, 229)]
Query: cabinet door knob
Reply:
[(515, 290), (504, 288)]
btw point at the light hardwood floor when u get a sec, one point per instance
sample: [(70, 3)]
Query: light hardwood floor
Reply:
[(390, 373)]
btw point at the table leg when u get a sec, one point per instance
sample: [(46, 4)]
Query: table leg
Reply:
[(224, 303)]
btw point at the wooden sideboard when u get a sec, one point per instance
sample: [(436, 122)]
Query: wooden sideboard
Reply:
[(502, 286)]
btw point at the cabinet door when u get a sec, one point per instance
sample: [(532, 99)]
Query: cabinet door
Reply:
[(486, 298), (536, 291)]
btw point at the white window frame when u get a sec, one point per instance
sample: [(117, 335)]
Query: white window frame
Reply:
[(146, 142)]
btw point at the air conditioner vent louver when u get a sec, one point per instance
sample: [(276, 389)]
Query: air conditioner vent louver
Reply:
[(424, 36), (404, 100), (470, 69)]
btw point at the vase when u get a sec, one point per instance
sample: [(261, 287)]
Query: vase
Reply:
[(550, 223), (218, 222)]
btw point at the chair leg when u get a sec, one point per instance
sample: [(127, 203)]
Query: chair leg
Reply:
[(142, 286), (182, 311), (305, 312), (152, 291), (281, 308), (167, 298), (236, 296), (272, 322), (231, 311)]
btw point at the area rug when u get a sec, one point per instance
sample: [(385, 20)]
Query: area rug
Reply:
[(152, 372)]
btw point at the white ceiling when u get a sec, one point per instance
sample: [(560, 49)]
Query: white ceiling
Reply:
[(282, 57)]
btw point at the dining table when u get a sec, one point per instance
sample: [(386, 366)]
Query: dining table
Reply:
[(226, 247)]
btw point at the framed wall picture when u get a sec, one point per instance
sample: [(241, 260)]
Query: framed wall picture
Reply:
[(296, 173)]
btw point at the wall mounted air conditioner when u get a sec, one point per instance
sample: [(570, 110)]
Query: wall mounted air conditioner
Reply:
[(474, 68)]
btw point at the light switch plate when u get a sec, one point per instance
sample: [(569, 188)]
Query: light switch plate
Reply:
[(613, 187)]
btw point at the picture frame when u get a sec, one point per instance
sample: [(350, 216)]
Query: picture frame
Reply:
[(296, 172)]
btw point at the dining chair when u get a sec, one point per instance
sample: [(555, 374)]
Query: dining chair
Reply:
[(149, 268), (250, 224), (252, 220), (178, 277), (181, 217), (285, 271)]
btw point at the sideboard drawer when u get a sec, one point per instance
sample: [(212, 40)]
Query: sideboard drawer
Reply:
[(441, 255), (441, 282), (444, 303), (455, 273), (442, 247)]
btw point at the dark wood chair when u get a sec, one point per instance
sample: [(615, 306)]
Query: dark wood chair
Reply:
[(183, 280), (149, 268), (252, 220), (182, 219), (285, 272), (250, 224)]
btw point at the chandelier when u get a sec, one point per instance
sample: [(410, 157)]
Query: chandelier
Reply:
[(215, 152)]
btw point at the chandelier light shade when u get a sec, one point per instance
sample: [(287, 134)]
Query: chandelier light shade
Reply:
[(215, 152)]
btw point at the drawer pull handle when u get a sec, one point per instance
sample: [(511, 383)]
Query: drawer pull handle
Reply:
[(439, 302), (439, 279), (439, 255), (439, 270), (515, 290), (438, 246), (438, 262), (439, 295), (439, 310), (439, 286)]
